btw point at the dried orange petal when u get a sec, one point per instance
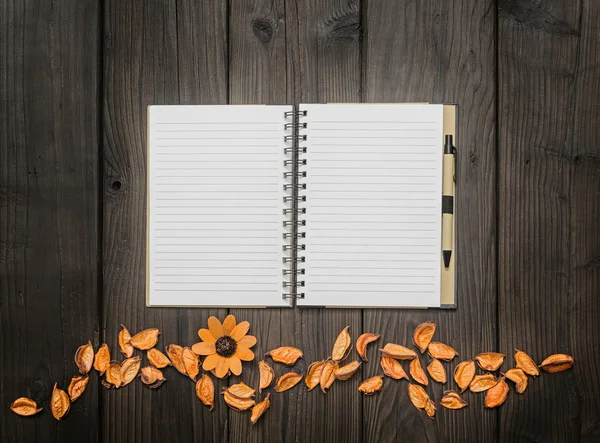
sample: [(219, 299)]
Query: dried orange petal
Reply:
[(145, 340), (287, 355), (526, 363), (152, 377), (175, 353), (452, 400), (259, 409), (392, 368), (84, 358), (496, 395), (417, 396), (436, 371), (423, 335), (236, 403), (519, 377), (25, 407), (441, 351), (113, 374), (205, 391), (557, 363), (490, 361), (399, 352), (241, 390), (362, 342), (328, 374), (464, 373), (59, 403), (417, 372), (77, 386), (371, 385), (191, 362), (347, 371), (129, 369), (430, 408), (313, 376), (124, 338), (266, 375), (288, 381), (102, 359), (482, 383), (342, 345), (157, 358)]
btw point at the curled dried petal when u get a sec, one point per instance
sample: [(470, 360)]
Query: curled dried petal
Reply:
[(288, 381), (25, 407), (328, 374), (313, 376), (526, 363), (490, 361), (557, 363), (113, 374), (417, 396), (146, 339), (236, 403), (399, 352), (423, 335), (102, 359), (205, 391), (241, 390), (84, 358), (430, 408), (496, 395), (436, 371), (77, 386), (152, 377), (59, 403), (287, 355), (482, 383), (157, 358), (129, 369), (392, 368), (124, 338), (417, 372), (371, 385), (266, 375), (342, 345), (259, 409), (347, 371), (441, 351), (362, 342), (464, 373), (519, 377), (175, 353), (191, 362), (452, 400)]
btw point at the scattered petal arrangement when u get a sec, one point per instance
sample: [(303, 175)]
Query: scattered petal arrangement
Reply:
[(225, 345)]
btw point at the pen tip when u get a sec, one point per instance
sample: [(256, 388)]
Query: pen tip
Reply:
[(447, 255)]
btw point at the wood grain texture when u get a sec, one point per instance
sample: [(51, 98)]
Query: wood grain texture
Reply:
[(49, 119), (424, 51), (154, 53), (549, 241)]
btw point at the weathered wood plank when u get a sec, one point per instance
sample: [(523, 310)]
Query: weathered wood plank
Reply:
[(425, 51), (548, 228), (49, 144), (156, 52)]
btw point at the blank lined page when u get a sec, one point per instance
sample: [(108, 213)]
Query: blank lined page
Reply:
[(373, 221), (215, 183)]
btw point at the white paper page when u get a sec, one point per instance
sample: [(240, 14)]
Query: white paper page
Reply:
[(373, 221), (215, 184)]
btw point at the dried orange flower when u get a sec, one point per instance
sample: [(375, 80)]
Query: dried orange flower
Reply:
[(557, 363), (205, 391), (482, 383), (342, 346), (347, 371), (145, 340), (392, 368), (399, 352), (490, 361), (236, 403), (129, 369), (430, 408), (417, 372), (113, 374), (519, 377), (464, 373), (84, 358), (288, 381), (241, 390), (328, 374), (175, 353), (102, 359), (526, 363), (225, 346), (25, 407), (497, 394), (441, 351), (152, 377), (157, 358), (77, 386), (452, 400), (423, 335), (436, 371), (59, 403), (266, 375), (417, 396), (191, 362), (259, 409), (287, 355), (124, 338), (362, 342), (371, 385), (313, 376)]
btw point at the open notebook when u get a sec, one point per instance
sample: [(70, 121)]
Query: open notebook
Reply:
[(334, 205)]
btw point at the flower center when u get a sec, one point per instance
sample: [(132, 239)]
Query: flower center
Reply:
[(226, 346)]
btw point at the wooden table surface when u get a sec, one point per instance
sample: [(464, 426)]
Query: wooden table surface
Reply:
[(75, 79)]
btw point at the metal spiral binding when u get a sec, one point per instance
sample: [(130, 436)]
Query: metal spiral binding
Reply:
[(292, 212)]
